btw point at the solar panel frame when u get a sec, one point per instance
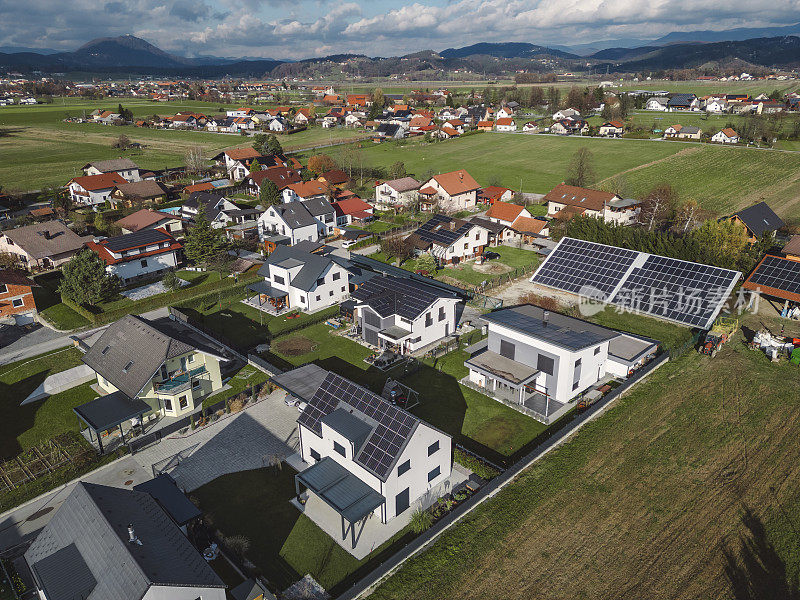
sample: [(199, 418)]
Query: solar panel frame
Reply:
[(778, 273)]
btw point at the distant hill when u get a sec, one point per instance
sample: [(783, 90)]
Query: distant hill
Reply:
[(623, 53), (504, 50), (728, 35)]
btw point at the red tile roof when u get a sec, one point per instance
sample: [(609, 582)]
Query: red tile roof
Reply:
[(585, 198), (457, 182), (505, 121), (505, 211), (142, 218), (350, 206), (104, 181), (242, 153), (280, 176)]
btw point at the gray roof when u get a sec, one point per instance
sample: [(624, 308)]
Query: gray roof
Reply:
[(630, 347), (313, 265), (491, 226), (146, 188), (302, 382), (404, 184), (134, 343), (295, 214), (506, 368), (110, 410), (174, 502), (50, 238), (114, 164), (318, 206), (681, 99), (348, 425), (558, 329), (760, 219), (250, 589), (84, 552)]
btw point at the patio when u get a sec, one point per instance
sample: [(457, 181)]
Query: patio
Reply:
[(268, 299)]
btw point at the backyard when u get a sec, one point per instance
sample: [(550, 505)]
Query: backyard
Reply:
[(284, 544), (687, 487)]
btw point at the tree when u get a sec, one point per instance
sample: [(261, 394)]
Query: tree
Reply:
[(126, 114), (100, 222), (395, 247), (397, 170), (269, 194), (657, 206), (62, 202), (202, 242), (320, 163), (255, 166), (378, 98), (85, 280), (273, 146), (171, 281), (123, 142), (194, 160), (580, 171), (688, 216), (426, 262), (553, 98)]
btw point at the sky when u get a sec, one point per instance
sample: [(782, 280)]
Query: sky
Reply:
[(294, 29)]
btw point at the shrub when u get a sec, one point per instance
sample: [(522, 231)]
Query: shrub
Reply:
[(238, 544), (474, 464), (236, 405), (545, 302), (421, 520)]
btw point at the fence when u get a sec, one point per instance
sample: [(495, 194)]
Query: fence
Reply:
[(689, 344)]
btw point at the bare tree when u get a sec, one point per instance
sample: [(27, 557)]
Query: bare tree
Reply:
[(580, 171), (689, 216), (195, 162), (657, 206)]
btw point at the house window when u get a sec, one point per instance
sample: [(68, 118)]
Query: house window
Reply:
[(330, 293), (466, 245), (278, 279), (441, 313), (195, 383), (507, 349), (577, 363), (144, 263), (597, 351), (428, 320), (339, 448), (318, 297), (343, 288), (3, 288), (183, 401), (545, 364), (336, 276), (575, 385), (434, 447), (321, 281), (17, 302), (434, 474), (167, 404), (127, 366), (302, 299), (314, 454), (191, 358), (477, 235), (404, 468)]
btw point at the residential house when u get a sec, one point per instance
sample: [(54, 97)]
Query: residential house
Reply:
[(404, 314), (389, 131), (683, 132), (565, 201), (726, 136), (683, 102), (495, 193), (444, 133), (757, 220), (108, 542), (456, 124), (303, 116), (210, 203), (282, 177), (368, 457), (570, 127), (485, 125), (153, 368), (335, 178), (516, 223), (280, 125), (792, 248), (657, 103), (293, 222), (142, 255), (396, 192), (769, 107), (91, 190), (542, 361), (505, 124), (306, 190), (42, 245), (419, 122), (716, 106), (613, 129), (238, 161), (17, 304), (449, 240), (138, 193), (567, 113), (504, 112), (454, 191), (296, 279), (527, 230), (352, 210), (531, 127), (504, 212), (147, 218), (244, 111), (124, 167)]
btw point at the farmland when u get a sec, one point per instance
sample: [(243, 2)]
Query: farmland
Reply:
[(687, 488), (37, 149)]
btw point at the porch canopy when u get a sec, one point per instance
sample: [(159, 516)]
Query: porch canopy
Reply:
[(265, 289), (513, 373), (345, 493), (394, 333), (109, 411), (302, 382)]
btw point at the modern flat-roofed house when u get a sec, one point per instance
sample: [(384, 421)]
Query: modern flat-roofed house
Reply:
[(455, 191), (41, 245), (296, 279), (758, 220), (91, 190), (144, 254), (138, 193), (397, 192), (147, 218), (542, 361), (121, 166), (17, 304), (109, 543), (403, 314), (367, 455), (449, 240), (150, 368), (566, 201)]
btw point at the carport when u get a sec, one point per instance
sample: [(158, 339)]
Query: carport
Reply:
[(110, 411), (345, 493)]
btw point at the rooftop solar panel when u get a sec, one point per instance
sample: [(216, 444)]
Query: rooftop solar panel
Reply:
[(779, 274), (443, 230), (688, 293), (389, 295)]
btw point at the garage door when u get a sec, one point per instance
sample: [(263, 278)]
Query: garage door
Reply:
[(371, 336)]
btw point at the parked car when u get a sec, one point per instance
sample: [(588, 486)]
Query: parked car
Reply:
[(348, 243), (290, 400), (490, 255), (301, 406)]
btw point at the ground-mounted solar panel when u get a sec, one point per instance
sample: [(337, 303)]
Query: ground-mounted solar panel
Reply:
[(776, 276), (575, 265), (685, 292)]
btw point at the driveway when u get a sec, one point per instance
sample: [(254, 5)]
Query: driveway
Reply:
[(18, 342)]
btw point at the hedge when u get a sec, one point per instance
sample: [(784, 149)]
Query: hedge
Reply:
[(477, 466)]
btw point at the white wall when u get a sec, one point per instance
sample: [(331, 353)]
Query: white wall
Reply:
[(132, 268), (468, 245), (270, 223)]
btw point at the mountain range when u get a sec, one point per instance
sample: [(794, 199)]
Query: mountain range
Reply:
[(131, 55)]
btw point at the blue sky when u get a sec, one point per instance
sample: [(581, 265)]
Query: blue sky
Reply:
[(304, 28)]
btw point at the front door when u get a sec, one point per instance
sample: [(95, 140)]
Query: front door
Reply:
[(401, 502)]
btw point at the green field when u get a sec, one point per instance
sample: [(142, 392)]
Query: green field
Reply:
[(37, 149)]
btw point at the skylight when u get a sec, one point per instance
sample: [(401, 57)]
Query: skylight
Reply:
[(128, 366), (106, 349)]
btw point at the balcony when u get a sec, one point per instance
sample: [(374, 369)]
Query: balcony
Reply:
[(179, 381)]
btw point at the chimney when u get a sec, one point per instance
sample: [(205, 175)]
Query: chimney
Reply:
[(545, 317), (461, 175), (452, 225), (132, 536)]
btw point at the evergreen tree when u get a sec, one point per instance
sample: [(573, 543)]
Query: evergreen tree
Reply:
[(255, 166), (273, 146), (85, 280), (202, 242), (269, 194)]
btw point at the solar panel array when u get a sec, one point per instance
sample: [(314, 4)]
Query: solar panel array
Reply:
[(437, 230), (389, 295), (577, 263), (561, 330), (778, 273), (382, 448), (689, 293)]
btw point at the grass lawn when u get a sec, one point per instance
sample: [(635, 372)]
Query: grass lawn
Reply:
[(688, 487), (25, 426), (379, 226), (284, 544), (510, 259), (49, 305), (537, 210), (669, 334)]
